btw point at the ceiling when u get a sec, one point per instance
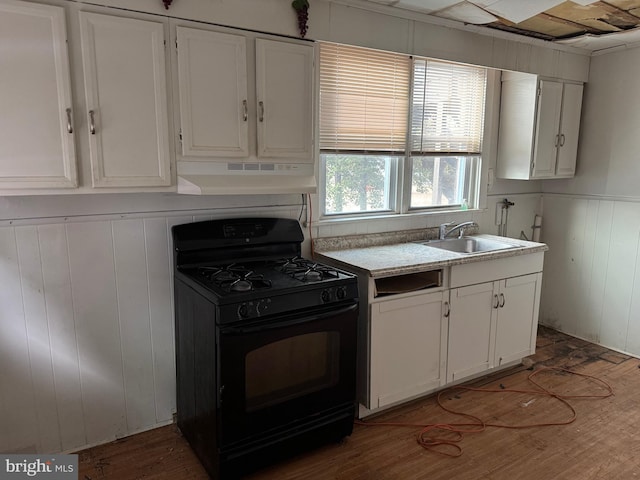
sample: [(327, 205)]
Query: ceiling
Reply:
[(588, 24)]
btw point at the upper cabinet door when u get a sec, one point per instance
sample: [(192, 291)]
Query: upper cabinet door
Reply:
[(125, 84), (36, 124), (212, 80), (285, 99), (547, 139), (569, 130)]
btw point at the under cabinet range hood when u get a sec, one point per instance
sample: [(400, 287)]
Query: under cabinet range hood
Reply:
[(236, 178)]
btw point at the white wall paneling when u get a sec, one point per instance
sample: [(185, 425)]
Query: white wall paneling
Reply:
[(19, 430), (62, 332), (86, 327), (591, 285), (37, 329)]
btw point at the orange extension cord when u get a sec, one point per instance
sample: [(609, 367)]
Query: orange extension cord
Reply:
[(430, 440)]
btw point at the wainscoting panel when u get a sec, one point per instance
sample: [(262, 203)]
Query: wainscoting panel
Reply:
[(591, 281), (86, 327)]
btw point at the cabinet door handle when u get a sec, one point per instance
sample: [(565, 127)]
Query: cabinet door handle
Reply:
[(69, 122), (501, 300), (557, 140), (448, 310), (497, 302), (261, 105), (92, 122), (245, 112), (562, 139)]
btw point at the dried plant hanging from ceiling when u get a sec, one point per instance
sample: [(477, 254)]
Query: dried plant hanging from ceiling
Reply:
[(167, 3)]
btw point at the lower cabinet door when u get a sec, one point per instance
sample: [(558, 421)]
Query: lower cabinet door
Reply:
[(517, 318), (471, 330), (408, 348)]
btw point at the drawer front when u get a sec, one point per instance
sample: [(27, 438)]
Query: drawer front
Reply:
[(491, 270)]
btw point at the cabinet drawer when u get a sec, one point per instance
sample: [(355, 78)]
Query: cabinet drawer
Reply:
[(491, 270)]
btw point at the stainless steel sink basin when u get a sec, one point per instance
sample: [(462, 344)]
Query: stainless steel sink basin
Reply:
[(468, 245)]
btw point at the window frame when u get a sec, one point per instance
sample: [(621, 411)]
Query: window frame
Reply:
[(400, 197)]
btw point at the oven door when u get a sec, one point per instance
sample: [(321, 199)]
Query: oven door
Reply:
[(276, 372)]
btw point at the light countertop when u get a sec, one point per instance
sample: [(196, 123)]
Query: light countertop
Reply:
[(409, 257)]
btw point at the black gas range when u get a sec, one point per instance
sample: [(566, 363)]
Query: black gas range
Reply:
[(250, 289), (265, 343)]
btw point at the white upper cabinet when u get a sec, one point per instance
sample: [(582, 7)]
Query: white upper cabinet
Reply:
[(284, 88), (243, 98), (569, 130), (539, 126), (126, 95), (214, 109), (36, 124)]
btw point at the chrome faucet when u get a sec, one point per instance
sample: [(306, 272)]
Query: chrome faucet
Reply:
[(444, 233)]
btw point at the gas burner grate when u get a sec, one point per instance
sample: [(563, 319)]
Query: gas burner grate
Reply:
[(306, 270), (234, 278)]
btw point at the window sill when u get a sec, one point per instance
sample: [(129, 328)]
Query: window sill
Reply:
[(357, 218)]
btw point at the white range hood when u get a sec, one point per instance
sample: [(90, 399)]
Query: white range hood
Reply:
[(207, 178)]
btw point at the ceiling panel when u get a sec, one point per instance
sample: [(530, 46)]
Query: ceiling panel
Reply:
[(467, 12), (553, 20), (519, 10), (426, 6)]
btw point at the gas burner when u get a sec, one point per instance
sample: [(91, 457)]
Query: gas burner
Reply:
[(241, 286), (293, 265), (306, 270), (313, 275), (234, 278)]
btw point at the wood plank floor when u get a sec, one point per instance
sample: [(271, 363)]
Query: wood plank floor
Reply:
[(602, 443)]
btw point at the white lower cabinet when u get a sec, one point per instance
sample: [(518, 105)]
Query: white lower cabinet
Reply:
[(471, 328), (483, 316), (408, 347), (492, 324), (518, 299)]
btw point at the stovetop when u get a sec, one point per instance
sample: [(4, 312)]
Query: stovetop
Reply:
[(288, 283), (252, 267), (271, 275)]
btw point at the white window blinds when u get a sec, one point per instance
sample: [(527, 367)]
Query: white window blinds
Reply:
[(447, 107), (364, 99)]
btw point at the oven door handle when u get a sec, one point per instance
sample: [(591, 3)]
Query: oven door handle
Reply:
[(290, 320)]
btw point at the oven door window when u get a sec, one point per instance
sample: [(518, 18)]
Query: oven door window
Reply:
[(291, 368), (284, 370)]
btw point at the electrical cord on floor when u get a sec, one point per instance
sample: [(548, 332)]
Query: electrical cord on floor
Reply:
[(437, 437)]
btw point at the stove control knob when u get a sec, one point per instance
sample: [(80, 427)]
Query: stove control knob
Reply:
[(243, 311), (326, 296), (262, 306), (341, 293)]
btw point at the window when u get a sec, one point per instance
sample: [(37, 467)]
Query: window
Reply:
[(397, 133)]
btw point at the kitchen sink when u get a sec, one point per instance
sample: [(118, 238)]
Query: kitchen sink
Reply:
[(468, 245)]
